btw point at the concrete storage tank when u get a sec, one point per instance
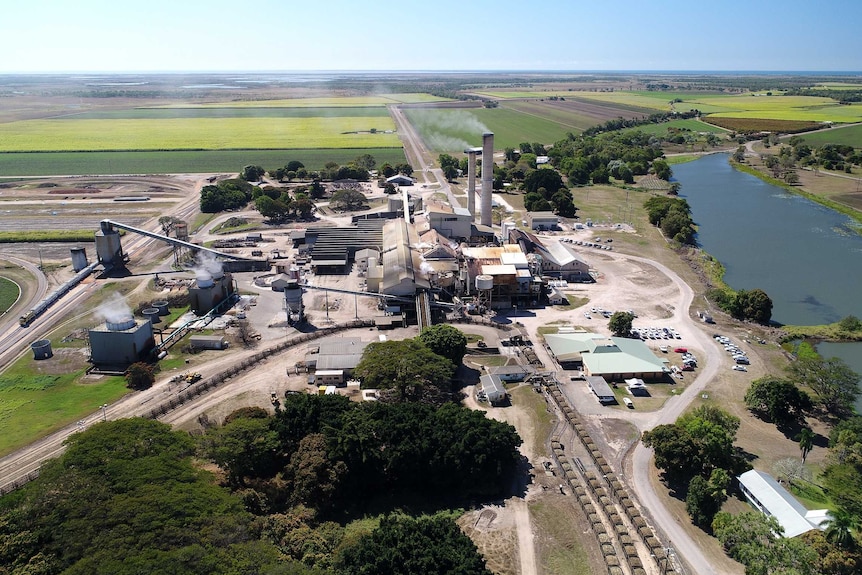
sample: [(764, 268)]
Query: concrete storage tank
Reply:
[(79, 259), (293, 302), (484, 282), (120, 341), (41, 349), (120, 323), (162, 306), (204, 281), (152, 314), (109, 249)]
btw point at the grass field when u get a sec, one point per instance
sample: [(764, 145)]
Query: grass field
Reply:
[(848, 136), (181, 162), (9, 292), (453, 130), (691, 124), (33, 406), (197, 134), (228, 112)]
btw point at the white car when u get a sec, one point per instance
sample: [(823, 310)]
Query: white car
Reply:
[(739, 368)]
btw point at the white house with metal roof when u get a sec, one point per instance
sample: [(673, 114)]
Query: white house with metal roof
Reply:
[(770, 498)]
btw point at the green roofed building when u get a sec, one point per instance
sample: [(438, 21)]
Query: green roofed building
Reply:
[(614, 358)]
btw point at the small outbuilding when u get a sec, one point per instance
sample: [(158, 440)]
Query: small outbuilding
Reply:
[(208, 342), (493, 388), (770, 498), (600, 388)]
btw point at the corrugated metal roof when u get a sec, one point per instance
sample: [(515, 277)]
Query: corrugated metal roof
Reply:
[(769, 496), (602, 355)]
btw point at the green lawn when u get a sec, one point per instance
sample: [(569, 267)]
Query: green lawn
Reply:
[(847, 136), (9, 292), (202, 161), (325, 102), (228, 112), (452, 130), (33, 406)]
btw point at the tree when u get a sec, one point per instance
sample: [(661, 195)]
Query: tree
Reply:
[(806, 441), (348, 200), (315, 478), (407, 546), (625, 174), (547, 178), (405, 169), (840, 526), (445, 340), (790, 470), (620, 323), (407, 366), (835, 384), (293, 166), (850, 323), (450, 172), (705, 497), (252, 173), (365, 161), (271, 209), (754, 305), (140, 376), (662, 170), (245, 447), (778, 399)]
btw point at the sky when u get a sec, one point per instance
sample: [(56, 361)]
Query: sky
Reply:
[(300, 35)]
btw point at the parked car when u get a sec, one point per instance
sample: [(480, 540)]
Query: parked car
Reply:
[(739, 368), (680, 350)]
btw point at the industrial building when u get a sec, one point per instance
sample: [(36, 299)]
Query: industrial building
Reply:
[(120, 342), (211, 289), (492, 389), (543, 221), (555, 259), (613, 358), (334, 359)]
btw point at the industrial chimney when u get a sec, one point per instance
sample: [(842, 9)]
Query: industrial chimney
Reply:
[(471, 179), (487, 177)]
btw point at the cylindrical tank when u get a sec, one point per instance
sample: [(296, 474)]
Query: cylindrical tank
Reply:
[(109, 249), (41, 349), (204, 280), (79, 259), (152, 314), (293, 294), (293, 273), (484, 282), (162, 306), (120, 323)]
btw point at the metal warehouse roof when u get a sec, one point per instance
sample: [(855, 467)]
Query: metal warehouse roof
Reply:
[(771, 498), (603, 355)]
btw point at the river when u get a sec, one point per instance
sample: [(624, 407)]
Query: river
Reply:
[(806, 257)]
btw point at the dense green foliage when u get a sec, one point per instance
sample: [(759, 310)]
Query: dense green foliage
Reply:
[(749, 305), (125, 498), (834, 383), (673, 216), (407, 366), (696, 453), (405, 546), (445, 340), (749, 538), (620, 323), (580, 156), (778, 399), (843, 475), (226, 195)]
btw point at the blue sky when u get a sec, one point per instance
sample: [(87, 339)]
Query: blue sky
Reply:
[(273, 35)]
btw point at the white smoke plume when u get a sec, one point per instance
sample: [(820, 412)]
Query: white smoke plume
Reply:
[(438, 127), (207, 266), (114, 310)]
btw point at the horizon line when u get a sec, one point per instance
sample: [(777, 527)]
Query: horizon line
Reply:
[(432, 71)]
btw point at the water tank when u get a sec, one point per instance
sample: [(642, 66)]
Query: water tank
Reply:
[(162, 306), (181, 230), (484, 282), (293, 273), (120, 323), (152, 314), (79, 259), (41, 349), (204, 280)]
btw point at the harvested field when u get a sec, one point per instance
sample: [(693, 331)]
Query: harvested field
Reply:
[(225, 111)]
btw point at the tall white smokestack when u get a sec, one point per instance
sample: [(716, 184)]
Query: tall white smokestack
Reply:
[(487, 176), (471, 179)]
